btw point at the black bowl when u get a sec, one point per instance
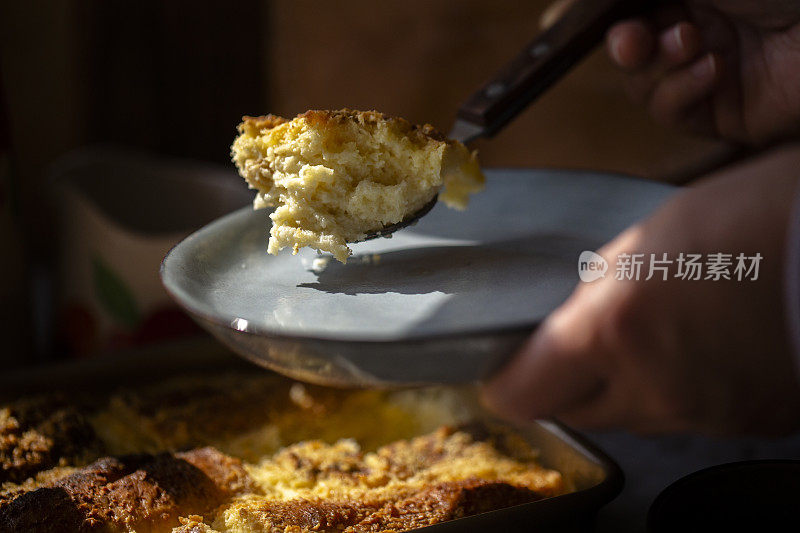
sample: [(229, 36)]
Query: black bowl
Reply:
[(748, 495)]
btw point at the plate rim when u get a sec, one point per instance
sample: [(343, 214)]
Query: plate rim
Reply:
[(405, 337)]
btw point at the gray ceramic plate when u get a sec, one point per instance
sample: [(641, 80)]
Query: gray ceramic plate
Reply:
[(446, 300)]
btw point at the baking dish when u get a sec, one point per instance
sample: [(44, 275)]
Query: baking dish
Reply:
[(594, 478)]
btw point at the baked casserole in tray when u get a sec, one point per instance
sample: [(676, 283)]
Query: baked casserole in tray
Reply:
[(253, 452)]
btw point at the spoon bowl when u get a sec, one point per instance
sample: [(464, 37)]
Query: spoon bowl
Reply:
[(409, 220)]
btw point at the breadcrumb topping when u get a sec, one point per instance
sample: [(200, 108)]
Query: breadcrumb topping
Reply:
[(333, 177)]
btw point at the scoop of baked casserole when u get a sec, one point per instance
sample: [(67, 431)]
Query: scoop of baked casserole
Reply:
[(335, 176)]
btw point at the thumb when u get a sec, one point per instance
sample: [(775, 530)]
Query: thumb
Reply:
[(556, 371), (553, 13)]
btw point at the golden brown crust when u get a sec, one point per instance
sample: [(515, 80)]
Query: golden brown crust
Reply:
[(139, 492), (226, 472), (425, 507), (193, 524), (40, 433), (326, 118), (407, 457), (254, 125), (445, 501), (311, 515)]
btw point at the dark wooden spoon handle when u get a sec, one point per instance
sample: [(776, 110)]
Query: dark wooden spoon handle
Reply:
[(544, 61)]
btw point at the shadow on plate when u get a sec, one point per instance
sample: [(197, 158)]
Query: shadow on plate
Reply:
[(452, 270)]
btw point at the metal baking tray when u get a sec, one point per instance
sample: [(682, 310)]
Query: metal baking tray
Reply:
[(594, 477)]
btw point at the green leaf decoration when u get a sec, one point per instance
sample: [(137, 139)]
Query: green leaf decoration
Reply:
[(114, 295)]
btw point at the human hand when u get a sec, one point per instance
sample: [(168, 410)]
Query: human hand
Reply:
[(727, 68), (674, 355)]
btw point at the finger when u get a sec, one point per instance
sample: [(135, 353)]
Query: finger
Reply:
[(678, 45), (554, 12), (631, 44), (684, 88), (552, 373)]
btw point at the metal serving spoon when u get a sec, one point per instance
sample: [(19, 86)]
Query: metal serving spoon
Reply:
[(539, 65)]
